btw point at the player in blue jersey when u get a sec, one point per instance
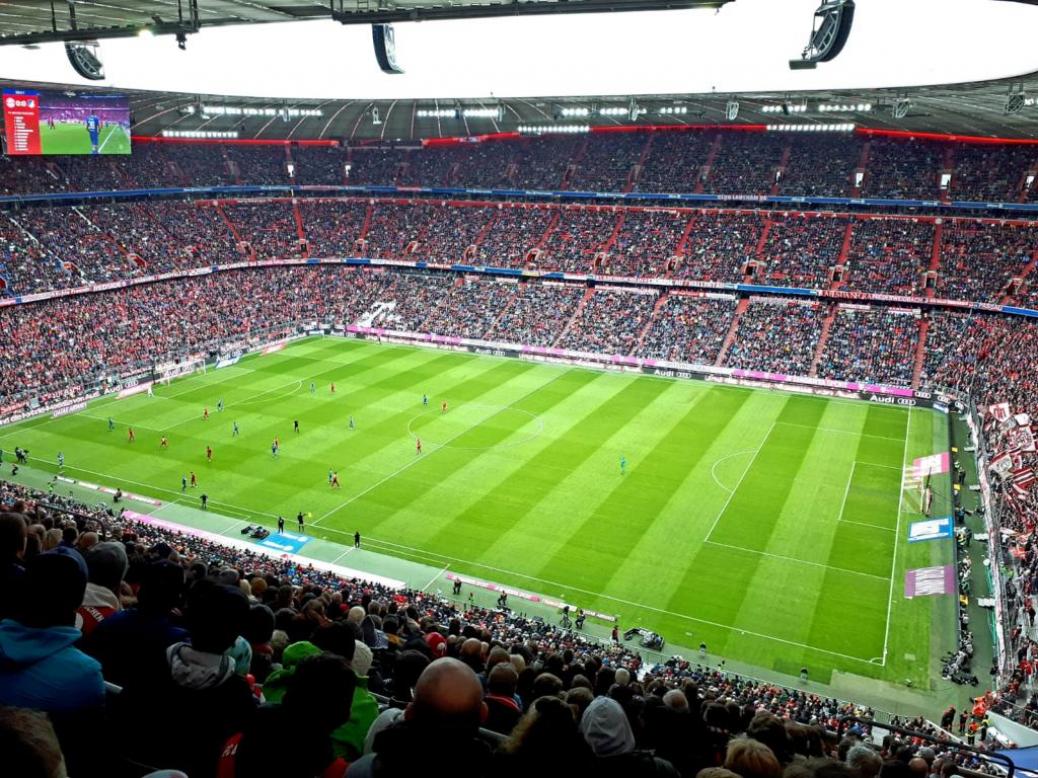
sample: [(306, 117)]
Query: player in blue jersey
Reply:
[(623, 464), (111, 424), (234, 429), (93, 127), (353, 424)]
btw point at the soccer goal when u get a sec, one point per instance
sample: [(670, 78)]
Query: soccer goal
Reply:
[(167, 372)]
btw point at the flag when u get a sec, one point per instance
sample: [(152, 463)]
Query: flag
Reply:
[(1021, 439), (1000, 411), (1022, 480), (1001, 464)]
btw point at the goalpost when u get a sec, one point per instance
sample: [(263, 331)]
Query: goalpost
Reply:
[(165, 373)]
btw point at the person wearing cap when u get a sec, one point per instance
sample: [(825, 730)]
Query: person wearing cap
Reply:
[(106, 568)]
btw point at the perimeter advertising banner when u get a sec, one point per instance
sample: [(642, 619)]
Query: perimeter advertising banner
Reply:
[(38, 122)]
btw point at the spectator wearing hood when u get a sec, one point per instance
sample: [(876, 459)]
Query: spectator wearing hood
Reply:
[(606, 729), (182, 718), (40, 667)]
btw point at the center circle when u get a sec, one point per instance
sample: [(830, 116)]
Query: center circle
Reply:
[(474, 426)]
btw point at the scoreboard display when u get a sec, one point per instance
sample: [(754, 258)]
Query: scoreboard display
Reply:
[(37, 122)]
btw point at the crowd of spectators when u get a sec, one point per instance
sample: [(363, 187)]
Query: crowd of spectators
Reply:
[(646, 243), (978, 259), (268, 227), (991, 173), (333, 227), (720, 244), (689, 329), (674, 161), (802, 250), (820, 166), (777, 336), (871, 345), (903, 168), (607, 163), (469, 309), (537, 315), (511, 236), (576, 238), (746, 163), (889, 256), (609, 322)]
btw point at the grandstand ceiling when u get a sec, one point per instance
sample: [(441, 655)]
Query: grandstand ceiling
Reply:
[(975, 109), (37, 21)]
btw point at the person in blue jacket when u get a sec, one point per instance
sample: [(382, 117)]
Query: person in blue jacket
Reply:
[(40, 667)]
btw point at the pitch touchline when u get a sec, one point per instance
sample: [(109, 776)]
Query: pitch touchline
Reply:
[(794, 559), (897, 536), (428, 554), (440, 447)]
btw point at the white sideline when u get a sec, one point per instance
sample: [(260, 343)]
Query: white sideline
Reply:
[(745, 472), (897, 536)]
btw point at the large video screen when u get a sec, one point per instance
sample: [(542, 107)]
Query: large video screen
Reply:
[(65, 123)]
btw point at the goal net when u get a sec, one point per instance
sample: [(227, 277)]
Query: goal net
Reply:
[(167, 372)]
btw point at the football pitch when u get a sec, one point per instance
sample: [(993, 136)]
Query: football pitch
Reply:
[(73, 138), (771, 526)]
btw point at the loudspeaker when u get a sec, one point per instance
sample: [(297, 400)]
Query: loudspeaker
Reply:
[(385, 48)]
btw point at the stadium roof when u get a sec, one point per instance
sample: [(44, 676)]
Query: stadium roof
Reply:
[(974, 109), (38, 21)]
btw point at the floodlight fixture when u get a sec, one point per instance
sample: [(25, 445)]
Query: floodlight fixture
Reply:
[(731, 110), (829, 33)]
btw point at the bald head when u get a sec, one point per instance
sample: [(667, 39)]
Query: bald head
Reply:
[(448, 692)]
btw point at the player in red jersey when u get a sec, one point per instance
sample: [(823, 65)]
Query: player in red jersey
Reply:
[(335, 481), (209, 453), (194, 480), (443, 407), (205, 413), (130, 437), (418, 445), (333, 387)]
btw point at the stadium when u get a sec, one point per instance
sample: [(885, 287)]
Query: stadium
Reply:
[(372, 427)]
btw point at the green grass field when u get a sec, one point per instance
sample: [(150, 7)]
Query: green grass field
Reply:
[(769, 525), (72, 138)]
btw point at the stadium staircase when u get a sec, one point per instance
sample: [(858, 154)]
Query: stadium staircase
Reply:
[(535, 250), (617, 226), (762, 242), (780, 171), (234, 230), (845, 250), (947, 166), (492, 329), (863, 162), (704, 172), (920, 351), (733, 330), (574, 162), (679, 250), (649, 320), (1025, 273), (572, 319), (365, 225), (300, 231), (823, 338), (935, 256), (636, 169)]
